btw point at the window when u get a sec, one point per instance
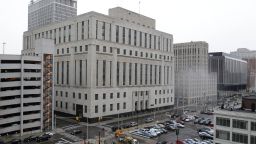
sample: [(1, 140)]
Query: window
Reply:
[(110, 49), (130, 52), (56, 93), (61, 104), (85, 109), (67, 50), (66, 105), (223, 121), (86, 47), (118, 95), (124, 94), (104, 96), (124, 52), (104, 108), (240, 138), (225, 135), (56, 103), (111, 95), (253, 139), (118, 106), (111, 107), (104, 49), (96, 109), (118, 51), (155, 101), (79, 95), (240, 124), (66, 94), (96, 96), (253, 126), (81, 48), (74, 95), (97, 48), (124, 105), (85, 96)]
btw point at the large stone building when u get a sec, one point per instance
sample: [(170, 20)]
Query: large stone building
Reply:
[(236, 126), (109, 64), (44, 12), (231, 72), (250, 57), (194, 86), (26, 91)]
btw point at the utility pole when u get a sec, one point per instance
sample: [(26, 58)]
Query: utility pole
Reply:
[(3, 46)]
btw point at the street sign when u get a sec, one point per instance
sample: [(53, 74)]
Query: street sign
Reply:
[(177, 132)]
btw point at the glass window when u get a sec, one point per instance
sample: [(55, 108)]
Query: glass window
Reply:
[(225, 135), (240, 124), (253, 126), (240, 138), (96, 96), (223, 121), (253, 139), (96, 109), (104, 96)]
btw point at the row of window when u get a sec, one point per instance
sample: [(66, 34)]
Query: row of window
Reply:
[(236, 137), (119, 52), (164, 100), (111, 95), (60, 104), (240, 124), (104, 32)]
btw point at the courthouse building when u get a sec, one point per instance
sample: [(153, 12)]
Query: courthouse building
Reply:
[(109, 64)]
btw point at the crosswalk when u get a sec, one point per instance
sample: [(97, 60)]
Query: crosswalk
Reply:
[(72, 137), (70, 127)]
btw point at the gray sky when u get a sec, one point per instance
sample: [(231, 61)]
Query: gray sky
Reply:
[(225, 24)]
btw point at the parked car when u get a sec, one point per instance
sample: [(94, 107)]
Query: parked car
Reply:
[(207, 130), (148, 120), (205, 135), (180, 125), (74, 132), (161, 142), (132, 124), (43, 138)]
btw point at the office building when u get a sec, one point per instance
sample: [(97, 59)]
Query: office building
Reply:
[(26, 92), (45, 12), (236, 126), (107, 65), (231, 72), (194, 85), (250, 57)]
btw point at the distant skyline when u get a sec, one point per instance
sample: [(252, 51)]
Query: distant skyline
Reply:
[(225, 24)]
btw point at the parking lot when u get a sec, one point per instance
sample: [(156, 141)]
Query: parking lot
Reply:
[(190, 131)]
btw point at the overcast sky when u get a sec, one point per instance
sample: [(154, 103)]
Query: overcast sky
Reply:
[(225, 24)]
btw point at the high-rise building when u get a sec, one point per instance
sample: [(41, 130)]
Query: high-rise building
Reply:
[(250, 57), (45, 12), (194, 86), (237, 125), (231, 72), (26, 91), (109, 64)]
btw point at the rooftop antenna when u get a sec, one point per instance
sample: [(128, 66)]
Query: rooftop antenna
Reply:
[(139, 7), (3, 46)]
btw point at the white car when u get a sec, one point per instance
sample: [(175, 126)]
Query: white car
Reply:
[(50, 133), (180, 125), (133, 124)]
